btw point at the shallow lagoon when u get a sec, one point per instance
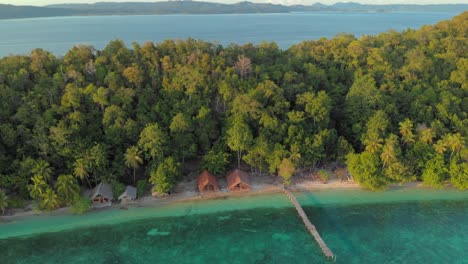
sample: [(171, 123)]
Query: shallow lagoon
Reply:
[(397, 226)]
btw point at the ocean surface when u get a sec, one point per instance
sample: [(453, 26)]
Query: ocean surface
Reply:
[(396, 226), (59, 34)]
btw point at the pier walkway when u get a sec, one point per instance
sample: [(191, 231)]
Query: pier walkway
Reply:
[(312, 230)]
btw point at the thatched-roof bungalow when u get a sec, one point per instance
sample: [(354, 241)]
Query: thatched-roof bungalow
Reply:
[(129, 195), (207, 182), (102, 194), (238, 180)]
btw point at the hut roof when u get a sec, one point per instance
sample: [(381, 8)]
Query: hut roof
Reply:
[(206, 178), (130, 192), (103, 189), (237, 176)]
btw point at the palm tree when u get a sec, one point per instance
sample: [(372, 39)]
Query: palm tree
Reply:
[(37, 189), (373, 143), (388, 153), (80, 170), (49, 200), (133, 159), (67, 188), (426, 134), (42, 168), (3, 201), (440, 146), (455, 142), (406, 131)]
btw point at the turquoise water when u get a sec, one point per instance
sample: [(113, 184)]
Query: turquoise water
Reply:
[(59, 34), (398, 226)]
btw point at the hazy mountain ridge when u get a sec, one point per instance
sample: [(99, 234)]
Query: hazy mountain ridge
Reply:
[(12, 11), (189, 7)]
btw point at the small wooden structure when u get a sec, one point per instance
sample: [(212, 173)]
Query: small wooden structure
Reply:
[(310, 227), (238, 180), (207, 182), (102, 193), (129, 195)]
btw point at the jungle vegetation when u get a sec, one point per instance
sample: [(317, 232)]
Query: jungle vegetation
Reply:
[(391, 107)]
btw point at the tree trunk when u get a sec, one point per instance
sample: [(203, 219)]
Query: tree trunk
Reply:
[(133, 175), (89, 183)]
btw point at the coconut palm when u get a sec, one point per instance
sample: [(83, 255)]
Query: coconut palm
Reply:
[(37, 189), (67, 188), (80, 170), (440, 146), (133, 159), (42, 167), (455, 142), (3, 201), (49, 200), (406, 131), (426, 134), (373, 143), (388, 154)]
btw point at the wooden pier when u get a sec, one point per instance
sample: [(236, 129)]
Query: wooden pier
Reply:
[(312, 230)]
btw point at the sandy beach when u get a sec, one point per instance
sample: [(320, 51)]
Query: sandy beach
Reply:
[(186, 191)]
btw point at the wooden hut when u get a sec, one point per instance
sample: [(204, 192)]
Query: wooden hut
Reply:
[(238, 180), (102, 194), (129, 195), (207, 182)]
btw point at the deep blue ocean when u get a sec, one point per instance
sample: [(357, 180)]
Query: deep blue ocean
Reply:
[(59, 34)]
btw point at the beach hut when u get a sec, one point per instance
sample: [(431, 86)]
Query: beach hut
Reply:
[(238, 180), (207, 182), (129, 195), (102, 194)]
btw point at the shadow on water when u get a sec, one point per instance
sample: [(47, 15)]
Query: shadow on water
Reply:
[(328, 226)]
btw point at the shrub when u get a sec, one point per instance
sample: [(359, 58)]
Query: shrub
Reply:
[(215, 161), (16, 202), (365, 168), (117, 188), (324, 175), (287, 170), (164, 177), (435, 172), (3, 201), (142, 186), (80, 205)]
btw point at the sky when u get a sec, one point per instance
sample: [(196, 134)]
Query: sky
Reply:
[(284, 2)]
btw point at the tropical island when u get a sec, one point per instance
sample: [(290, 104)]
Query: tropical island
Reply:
[(199, 7), (380, 110), (349, 149)]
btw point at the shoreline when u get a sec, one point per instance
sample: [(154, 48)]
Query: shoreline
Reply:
[(222, 203), (259, 187)]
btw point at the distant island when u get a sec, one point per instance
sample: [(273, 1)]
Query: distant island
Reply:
[(192, 7)]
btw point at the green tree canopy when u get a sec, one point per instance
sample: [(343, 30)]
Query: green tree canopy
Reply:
[(165, 175)]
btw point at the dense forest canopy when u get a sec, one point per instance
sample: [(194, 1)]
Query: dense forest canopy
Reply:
[(392, 107)]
